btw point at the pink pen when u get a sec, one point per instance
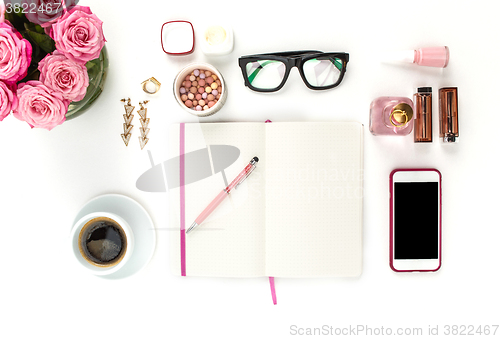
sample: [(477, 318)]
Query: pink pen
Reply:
[(224, 193)]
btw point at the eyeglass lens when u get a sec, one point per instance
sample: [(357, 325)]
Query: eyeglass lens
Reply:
[(322, 71), (265, 74)]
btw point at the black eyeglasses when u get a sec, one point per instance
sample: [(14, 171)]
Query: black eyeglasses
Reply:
[(268, 72)]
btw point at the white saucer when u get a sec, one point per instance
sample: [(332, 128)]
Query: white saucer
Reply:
[(140, 222)]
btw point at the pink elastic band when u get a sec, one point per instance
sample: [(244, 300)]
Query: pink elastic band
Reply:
[(273, 290), (183, 202)]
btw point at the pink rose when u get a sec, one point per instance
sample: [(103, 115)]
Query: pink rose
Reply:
[(45, 12), (78, 34), (2, 13), (39, 106), (64, 76), (15, 54), (8, 100)]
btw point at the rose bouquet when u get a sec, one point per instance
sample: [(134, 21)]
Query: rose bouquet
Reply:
[(45, 60)]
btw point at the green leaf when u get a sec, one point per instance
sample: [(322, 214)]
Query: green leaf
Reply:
[(34, 74), (92, 66), (29, 26), (42, 40), (92, 87), (39, 29), (17, 20)]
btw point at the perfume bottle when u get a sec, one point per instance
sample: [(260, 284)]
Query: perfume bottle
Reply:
[(391, 116)]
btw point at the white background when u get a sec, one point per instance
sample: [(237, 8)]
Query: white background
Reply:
[(46, 177)]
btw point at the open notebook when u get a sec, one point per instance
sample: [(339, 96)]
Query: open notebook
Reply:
[(299, 214)]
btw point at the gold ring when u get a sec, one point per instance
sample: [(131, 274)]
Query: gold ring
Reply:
[(155, 82)]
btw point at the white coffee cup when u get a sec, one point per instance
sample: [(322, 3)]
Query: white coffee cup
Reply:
[(83, 227)]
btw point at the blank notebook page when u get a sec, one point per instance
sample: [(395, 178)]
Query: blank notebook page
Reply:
[(314, 192), (231, 241)]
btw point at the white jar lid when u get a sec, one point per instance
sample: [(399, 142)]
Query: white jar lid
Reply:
[(217, 40)]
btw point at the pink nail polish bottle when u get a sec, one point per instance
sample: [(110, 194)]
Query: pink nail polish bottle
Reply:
[(430, 56), (391, 116)]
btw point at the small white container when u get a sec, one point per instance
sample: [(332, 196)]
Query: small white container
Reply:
[(217, 40), (177, 37), (181, 77)]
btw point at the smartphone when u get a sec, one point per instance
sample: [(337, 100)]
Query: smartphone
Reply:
[(415, 220)]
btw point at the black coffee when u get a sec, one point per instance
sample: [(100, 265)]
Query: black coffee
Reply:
[(103, 241)]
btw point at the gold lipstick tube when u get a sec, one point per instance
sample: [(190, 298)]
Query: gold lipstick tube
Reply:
[(448, 114), (423, 120)]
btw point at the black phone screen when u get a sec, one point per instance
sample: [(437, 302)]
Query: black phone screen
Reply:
[(416, 220)]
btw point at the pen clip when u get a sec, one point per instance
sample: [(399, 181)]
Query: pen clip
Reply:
[(246, 176)]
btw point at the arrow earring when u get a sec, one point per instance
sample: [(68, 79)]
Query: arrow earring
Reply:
[(128, 116), (144, 120)]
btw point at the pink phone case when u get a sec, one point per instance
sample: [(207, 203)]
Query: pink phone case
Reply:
[(391, 235)]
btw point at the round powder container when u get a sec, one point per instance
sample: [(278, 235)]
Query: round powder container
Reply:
[(204, 92)]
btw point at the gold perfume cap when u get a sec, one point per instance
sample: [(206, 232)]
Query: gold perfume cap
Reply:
[(401, 114)]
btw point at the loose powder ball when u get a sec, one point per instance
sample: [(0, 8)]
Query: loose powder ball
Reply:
[(202, 83)]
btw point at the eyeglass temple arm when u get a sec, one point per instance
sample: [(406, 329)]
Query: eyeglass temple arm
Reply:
[(339, 63)]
